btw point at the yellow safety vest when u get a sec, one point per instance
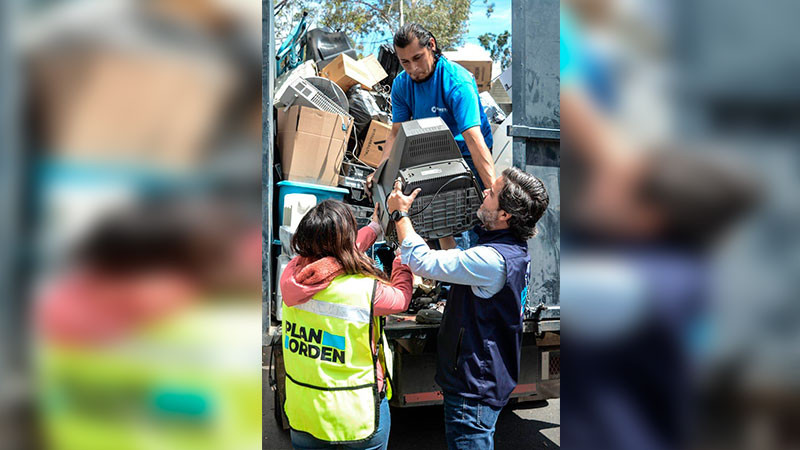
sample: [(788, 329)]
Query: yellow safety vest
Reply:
[(331, 385)]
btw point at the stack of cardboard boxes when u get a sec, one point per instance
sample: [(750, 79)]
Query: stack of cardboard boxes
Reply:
[(312, 143)]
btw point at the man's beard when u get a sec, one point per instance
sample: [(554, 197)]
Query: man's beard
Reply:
[(487, 218), (427, 77)]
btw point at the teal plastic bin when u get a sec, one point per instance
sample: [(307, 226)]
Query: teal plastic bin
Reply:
[(295, 187)]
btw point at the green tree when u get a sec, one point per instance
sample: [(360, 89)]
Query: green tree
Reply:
[(359, 19), (499, 46), (446, 19)]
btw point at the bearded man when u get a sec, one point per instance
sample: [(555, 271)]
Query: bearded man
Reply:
[(480, 337)]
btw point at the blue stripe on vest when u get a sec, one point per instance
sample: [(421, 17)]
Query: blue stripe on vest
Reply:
[(332, 340), (523, 299)]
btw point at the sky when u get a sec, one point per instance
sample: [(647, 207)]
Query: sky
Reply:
[(479, 24)]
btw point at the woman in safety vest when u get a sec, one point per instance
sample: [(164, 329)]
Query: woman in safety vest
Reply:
[(336, 357)]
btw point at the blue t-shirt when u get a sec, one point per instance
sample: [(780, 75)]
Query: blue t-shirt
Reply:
[(579, 66), (450, 93)]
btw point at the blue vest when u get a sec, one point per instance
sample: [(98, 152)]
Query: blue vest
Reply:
[(480, 339)]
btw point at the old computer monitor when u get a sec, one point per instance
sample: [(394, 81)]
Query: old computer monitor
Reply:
[(425, 155)]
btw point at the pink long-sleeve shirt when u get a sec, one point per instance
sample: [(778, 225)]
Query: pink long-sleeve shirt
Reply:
[(389, 298)]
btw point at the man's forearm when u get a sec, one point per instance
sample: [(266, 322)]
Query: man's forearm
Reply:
[(485, 168), (404, 228), (481, 156)]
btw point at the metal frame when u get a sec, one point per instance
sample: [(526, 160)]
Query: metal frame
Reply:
[(536, 133), (536, 73), (267, 85), (544, 134)]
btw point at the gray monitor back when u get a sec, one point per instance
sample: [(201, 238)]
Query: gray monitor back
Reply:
[(422, 144), (418, 142)]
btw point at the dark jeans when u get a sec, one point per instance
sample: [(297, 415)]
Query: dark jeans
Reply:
[(380, 440), (468, 423)]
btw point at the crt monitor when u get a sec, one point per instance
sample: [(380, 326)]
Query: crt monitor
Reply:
[(426, 156)]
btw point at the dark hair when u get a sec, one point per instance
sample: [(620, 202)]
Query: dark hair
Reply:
[(525, 198), (410, 31), (699, 197), (329, 229), (154, 235)]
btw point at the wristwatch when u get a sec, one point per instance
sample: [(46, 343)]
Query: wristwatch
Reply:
[(397, 215)]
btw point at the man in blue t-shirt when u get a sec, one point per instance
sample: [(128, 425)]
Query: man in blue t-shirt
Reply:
[(431, 86)]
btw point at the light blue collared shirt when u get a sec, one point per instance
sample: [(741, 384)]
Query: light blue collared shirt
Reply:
[(481, 267)]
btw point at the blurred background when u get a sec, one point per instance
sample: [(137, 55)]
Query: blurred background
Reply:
[(131, 237), (681, 313)]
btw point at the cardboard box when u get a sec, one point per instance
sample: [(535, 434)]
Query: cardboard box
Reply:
[(374, 68), (211, 15), (375, 143), (123, 106), (481, 70), (312, 144), (347, 72)]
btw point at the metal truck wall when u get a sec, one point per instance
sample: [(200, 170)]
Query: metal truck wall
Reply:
[(267, 80), (536, 133)]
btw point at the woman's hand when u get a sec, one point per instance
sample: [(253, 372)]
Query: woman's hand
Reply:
[(374, 217)]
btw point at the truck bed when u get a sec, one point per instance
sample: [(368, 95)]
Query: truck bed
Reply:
[(405, 326)]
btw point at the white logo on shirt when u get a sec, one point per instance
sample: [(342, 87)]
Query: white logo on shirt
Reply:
[(436, 109)]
